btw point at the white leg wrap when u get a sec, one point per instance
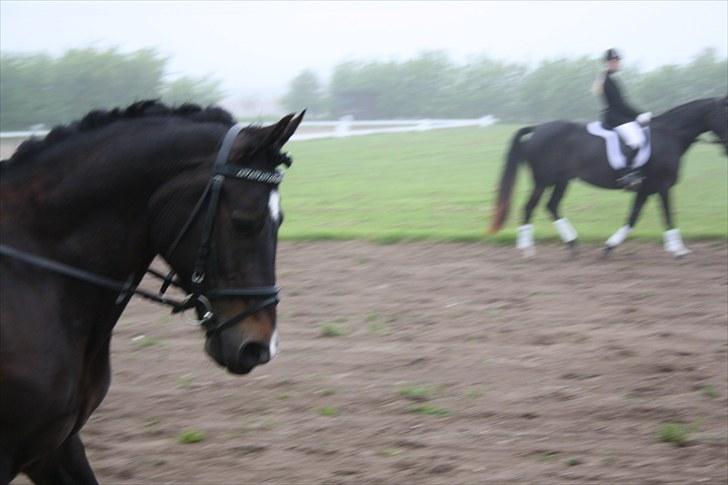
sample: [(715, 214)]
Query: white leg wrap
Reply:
[(674, 243), (524, 241), (566, 230), (618, 237)]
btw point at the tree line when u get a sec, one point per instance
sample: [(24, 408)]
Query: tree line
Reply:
[(431, 85), (41, 89)]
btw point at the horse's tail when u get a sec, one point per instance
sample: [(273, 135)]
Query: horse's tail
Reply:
[(508, 179)]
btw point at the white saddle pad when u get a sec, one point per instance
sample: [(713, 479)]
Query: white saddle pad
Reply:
[(614, 151)]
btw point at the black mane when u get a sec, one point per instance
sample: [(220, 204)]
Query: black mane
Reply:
[(679, 109), (100, 118)]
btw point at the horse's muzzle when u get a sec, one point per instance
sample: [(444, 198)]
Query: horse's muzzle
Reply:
[(251, 354)]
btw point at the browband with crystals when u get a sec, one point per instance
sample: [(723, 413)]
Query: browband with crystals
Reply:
[(253, 174)]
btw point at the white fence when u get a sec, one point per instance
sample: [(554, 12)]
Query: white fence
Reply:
[(347, 126), (341, 128)]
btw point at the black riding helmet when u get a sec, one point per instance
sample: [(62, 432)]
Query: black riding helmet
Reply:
[(611, 54)]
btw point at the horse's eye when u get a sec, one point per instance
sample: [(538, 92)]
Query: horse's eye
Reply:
[(246, 224)]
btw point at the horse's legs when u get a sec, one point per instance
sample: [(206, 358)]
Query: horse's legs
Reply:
[(524, 241), (6, 472), (621, 234), (66, 465), (563, 226), (672, 239)]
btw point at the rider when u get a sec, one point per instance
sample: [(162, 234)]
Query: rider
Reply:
[(621, 117)]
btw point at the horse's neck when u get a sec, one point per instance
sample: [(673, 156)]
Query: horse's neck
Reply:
[(688, 126), (87, 205)]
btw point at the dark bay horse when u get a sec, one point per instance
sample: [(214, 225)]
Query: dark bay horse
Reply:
[(559, 151), (83, 213)]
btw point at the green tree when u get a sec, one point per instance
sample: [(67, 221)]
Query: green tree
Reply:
[(199, 90), (305, 91), (38, 89)]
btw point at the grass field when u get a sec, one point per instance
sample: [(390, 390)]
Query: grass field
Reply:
[(440, 185)]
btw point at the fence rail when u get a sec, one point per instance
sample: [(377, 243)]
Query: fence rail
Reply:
[(341, 128)]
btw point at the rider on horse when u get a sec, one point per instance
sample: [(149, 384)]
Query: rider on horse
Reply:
[(620, 116)]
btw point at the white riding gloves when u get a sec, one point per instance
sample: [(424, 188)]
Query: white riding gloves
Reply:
[(644, 118)]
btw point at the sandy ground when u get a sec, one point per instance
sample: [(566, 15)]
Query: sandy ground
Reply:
[(457, 363)]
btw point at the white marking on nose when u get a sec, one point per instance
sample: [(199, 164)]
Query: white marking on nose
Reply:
[(274, 344), (274, 204)]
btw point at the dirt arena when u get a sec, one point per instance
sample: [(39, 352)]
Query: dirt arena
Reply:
[(448, 363)]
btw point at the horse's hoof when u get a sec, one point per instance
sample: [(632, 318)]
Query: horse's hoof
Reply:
[(572, 248), (681, 254)]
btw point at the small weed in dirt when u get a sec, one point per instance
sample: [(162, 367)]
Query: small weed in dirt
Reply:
[(574, 462), (284, 396), (675, 433), (546, 455), (151, 425), (391, 452), (373, 317), (416, 393), (184, 381), (189, 436), (326, 392), (164, 320), (332, 329), (710, 391), (475, 392), (378, 329), (429, 410), (143, 341), (328, 411)]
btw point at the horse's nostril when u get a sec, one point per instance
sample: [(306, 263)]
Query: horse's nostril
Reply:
[(254, 353)]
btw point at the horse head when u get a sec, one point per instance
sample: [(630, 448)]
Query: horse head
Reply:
[(222, 244)]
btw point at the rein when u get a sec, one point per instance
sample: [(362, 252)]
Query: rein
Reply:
[(197, 297)]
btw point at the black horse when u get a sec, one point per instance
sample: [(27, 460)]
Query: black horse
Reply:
[(83, 213), (559, 151)]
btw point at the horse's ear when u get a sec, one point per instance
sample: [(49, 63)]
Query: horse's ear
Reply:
[(273, 133), (291, 128)]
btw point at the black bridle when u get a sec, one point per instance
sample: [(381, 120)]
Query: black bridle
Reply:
[(197, 297)]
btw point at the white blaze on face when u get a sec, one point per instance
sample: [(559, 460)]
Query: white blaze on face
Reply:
[(274, 205), (273, 348)]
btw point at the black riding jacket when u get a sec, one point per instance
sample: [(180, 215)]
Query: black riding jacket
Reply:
[(617, 111)]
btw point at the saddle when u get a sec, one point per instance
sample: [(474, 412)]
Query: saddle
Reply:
[(617, 150)]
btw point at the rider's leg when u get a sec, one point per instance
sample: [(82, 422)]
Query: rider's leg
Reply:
[(633, 136)]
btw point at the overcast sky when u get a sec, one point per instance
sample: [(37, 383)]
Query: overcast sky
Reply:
[(255, 48)]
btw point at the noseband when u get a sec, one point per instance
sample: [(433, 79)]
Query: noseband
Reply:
[(197, 297)]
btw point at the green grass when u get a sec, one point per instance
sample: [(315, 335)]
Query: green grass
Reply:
[(674, 433), (440, 185), (417, 393), (190, 436), (328, 411), (710, 391), (475, 392), (429, 410), (332, 330), (144, 341)]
